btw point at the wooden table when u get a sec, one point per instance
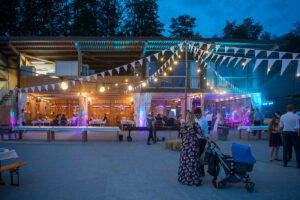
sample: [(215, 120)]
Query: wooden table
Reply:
[(126, 122), (4, 155), (51, 130), (249, 129)]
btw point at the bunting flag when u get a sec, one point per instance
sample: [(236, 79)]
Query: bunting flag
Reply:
[(118, 69), (298, 68), (180, 45), (285, 63), (231, 58), (269, 53), (172, 49), (39, 88), (156, 56), (246, 50), (7, 92), (295, 55), (270, 64), (235, 50), (125, 67), (208, 46), (20, 90), (73, 82), (141, 62), (95, 76), (53, 86), (1, 92), (200, 45), (237, 61), (246, 62), (218, 58), (46, 87), (257, 63), (14, 91), (176, 53), (224, 58), (110, 72), (80, 79), (256, 52), (281, 54), (133, 65), (192, 45), (217, 47), (32, 89), (26, 90), (162, 53), (59, 85), (88, 78), (226, 48), (148, 58)]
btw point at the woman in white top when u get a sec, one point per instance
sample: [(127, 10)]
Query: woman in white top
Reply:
[(217, 122)]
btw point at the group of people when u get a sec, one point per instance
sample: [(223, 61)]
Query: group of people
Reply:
[(61, 120), (218, 121), (285, 130)]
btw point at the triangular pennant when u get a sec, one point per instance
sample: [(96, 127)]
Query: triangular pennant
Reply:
[(7, 92), (298, 69), (118, 69), (14, 91), (224, 58), (218, 58), (281, 54), (39, 88), (295, 55), (231, 58), (172, 49), (46, 87), (125, 67), (148, 58), (32, 89), (80, 79), (257, 63), (110, 72), (246, 50), (20, 90), (269, 53), (88, 78), (1, 92), (103, 73), (270, 64), (156, 55), (180, 45), (59, 85), (26, 90), (246, 62), (237, 61), (53, 86), (226, 48), (162, 53), (200, 45), (95, 76), (192, 45), (73, 82), (141, 62), (235, 50), (133, 65), (256, 52), (285, 64), (176, 53), (217, 47)]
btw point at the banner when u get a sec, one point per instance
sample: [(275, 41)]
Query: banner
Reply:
[(285, 63)]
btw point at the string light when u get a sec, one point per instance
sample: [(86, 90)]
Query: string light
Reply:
[(130, 88), (64, 85), (155, 79), (206, 51), (181, 50), (126, 80), (144, 84), (269, 69), (298, 74), (243, 63), (162, 59), (102, 89), (170, 68), (198, 70), (175, 62), (196, 61), (137, 75), (116, 84), (179, 56), (165, 74)]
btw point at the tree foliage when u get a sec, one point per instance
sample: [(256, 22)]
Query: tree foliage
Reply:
[(182, 26), (246, 30)]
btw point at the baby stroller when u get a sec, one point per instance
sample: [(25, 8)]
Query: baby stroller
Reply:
[(233, 169)]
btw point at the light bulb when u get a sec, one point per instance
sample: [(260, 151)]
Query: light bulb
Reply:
[(162, 58), (144, 84), (170, 68), (137, 74), (175, 62), (116, 84), (64, 85), (181, 50), (206, 51), (102, 89), (243, 63), (199, 70), (179, 56), (130, 88), (165, 74), (155, 79)]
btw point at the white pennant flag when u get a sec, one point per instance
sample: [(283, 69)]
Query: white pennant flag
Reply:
[(118, 69), (298, 68), (237, 61), (281, 54), (73, 82), (176, 53), (46, 87), (270, 64), (125, 67), (103, 73), (32, 89), (148, 58), (88, 78), (81, 79), (162, 53), (26, 90), (53, 86), (217, 47), (257, 63), (59, 85), (193, 43), (224, 58), (7, 92), (231, 58), (269, 53), (295, 55), (133, 65), (200, 45), (208, 46), (14, 91), (172, 49), (226, 48), (110, 72), (156, 56), (180, 45), (1, 92), (20, 90), (95, 76), (235, 50), (39, 88), (141, 62), (285, 63), (246, 50), (246, 62), (256, 52), (218, 58)]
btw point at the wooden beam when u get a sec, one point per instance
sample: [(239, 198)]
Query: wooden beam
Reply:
[(39, 59)]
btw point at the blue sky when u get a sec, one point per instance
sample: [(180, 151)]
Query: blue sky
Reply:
[(276, 16)]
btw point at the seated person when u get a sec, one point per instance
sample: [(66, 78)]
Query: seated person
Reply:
[(40, 118), (104, 119), (158, 121), (56, 121), (63, 120), (73, 120), (165, 119), (158, 117)]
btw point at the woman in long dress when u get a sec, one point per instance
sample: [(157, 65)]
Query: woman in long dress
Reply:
[(217, 122), (189, 162)]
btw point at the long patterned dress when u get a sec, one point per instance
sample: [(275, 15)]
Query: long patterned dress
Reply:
[(189, 162)]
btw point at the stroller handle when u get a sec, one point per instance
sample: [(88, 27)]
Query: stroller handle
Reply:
[(214, 144)]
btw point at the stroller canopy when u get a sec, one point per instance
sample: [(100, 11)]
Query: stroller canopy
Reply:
[(242, 154)]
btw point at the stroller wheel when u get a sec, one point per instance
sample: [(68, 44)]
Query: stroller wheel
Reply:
[(221, 184), (250, 187)]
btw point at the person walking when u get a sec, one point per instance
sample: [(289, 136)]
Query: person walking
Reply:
[(258, 118), (289, 122), (274, 137), (217, 122), (150, 122), (209, 121), (189, 161), (200, 119)]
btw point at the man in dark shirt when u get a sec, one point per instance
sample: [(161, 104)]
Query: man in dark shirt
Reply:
[(150, 121)]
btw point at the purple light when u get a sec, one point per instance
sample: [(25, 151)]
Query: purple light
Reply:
[(12, 117)]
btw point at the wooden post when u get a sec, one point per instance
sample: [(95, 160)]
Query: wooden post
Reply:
[(118, 136), (248, 135), (52, 135), (20, 135), (240, 134), (84, 136), (186, 80), (48, 136)]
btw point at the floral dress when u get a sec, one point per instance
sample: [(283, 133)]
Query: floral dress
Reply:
[(189, 162)]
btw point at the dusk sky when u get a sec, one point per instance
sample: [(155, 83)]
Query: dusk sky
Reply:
[(276, 16)]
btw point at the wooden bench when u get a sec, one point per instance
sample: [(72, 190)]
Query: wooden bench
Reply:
[(6, 130), (14, 169)]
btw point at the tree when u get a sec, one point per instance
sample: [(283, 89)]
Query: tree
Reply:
[(182, 26), (265, 36), (142, 18), (245, 30), (9, 17)]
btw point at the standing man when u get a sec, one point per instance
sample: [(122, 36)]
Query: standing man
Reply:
[(290, 124), (150, 123), (209, 121), (200, 119), (258, 118)]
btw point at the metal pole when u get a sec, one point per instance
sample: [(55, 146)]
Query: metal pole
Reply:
[(186, 81)]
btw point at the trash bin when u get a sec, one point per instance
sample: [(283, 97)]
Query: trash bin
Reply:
[(223, 132), (120, 137)]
